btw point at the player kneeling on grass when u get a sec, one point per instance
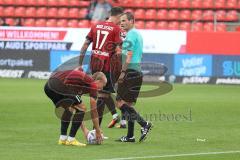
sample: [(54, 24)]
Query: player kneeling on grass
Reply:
[(65, 88)]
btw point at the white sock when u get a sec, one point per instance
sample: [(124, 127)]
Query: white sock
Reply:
[(63, 137), (71, 138), (115, 116), (123, 122)]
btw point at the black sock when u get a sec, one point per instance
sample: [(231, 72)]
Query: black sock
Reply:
[(65, 121), (130, 133), (123, 115), (110, 104), (100, 109), (76, 123), (133, 115), (64, 127)]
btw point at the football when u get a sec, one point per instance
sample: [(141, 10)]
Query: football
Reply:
[(91, 137)]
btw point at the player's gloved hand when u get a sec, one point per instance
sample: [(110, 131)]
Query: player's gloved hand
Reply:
[(121, 77), (99, 137)]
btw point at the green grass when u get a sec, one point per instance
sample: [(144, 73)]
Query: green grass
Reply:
[(29, 128)]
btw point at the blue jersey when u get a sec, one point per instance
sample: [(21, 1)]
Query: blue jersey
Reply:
[(134, 43)]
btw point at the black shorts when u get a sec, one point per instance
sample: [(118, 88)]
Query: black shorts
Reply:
[(129, 89), (109, 88), (61, 99), (98, 65)]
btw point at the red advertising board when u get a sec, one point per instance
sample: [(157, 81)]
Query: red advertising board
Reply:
[(225, 43)]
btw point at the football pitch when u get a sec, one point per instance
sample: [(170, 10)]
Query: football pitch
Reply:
[(192, 122)]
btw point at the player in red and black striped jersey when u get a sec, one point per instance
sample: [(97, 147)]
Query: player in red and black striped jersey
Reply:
[(106, 40), (65, 88)]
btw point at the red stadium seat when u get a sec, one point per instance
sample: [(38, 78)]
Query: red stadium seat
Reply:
[(198, 26), (53, 3), (52, 12), (29, 22), (185, 14), (162, 14), (63, 3), (184, 4), (208, 15), (31, 2), (73, 23), (42, 12), (31, 12), (185, 26), (20, 11), (62, 23), (2, 2), (172, 3), (197, 15), (84, 24), (127, 3), (139, 3), (151, 3), (9, 11), (196, 3), (42, 2), (238, 5), (73, 13), (221, 27), (220, 4), (151, 14), (40, 22), (150, 25), (9, 2), (232, 15), (74, 3), (162, 25), (139, 24), (139, 14), (162, 4), (174, 25), (173, 14), (208, 27), (84, 3), (20, 2), (231, 4), (221, 15), (82, 13), (207, 4), (1, 11), (129, 10), (10, 21), (51, 23), (63, 12)]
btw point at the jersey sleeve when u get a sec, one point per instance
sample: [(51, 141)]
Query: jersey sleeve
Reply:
[(130, 39), (73, 78)]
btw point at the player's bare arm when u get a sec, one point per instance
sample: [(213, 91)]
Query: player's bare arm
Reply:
[(94, 115), (125, 66), (83, 51)]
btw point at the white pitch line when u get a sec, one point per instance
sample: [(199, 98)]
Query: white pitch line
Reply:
[(174, 155)]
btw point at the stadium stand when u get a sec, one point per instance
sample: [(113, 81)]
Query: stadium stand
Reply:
[(195, 15)]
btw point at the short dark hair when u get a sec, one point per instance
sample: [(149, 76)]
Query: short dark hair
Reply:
[(115, 11), (129, 15)]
